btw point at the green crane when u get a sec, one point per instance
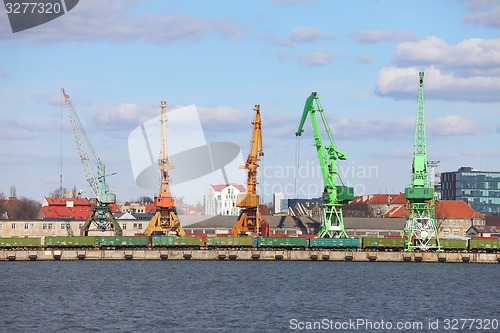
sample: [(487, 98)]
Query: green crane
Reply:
[(334, 196), (101, 218), (420, 227)]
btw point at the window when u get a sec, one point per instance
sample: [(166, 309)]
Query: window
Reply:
[(32, 226), (49, 226), (140, 225), (63, 226), (13, 226), (44, 226), (26, 226), (135, 225), (124, 226), (80, 226), (1, 226)]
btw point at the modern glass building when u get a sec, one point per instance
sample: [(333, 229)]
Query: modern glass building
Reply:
[(480, 189)]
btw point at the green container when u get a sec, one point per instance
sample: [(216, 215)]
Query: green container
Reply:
[(484, 244), (20, 242), (123, 241), (459, 244), (163, 241), (282, 242), (381, 242), (231, 241), (335, 242), (176, 241), (70, 241)]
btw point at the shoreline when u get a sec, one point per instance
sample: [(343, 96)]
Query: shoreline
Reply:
[(250, 255)]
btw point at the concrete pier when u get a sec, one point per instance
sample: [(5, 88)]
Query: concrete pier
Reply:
[(251, 254)]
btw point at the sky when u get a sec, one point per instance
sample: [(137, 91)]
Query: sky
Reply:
[(119, 58)]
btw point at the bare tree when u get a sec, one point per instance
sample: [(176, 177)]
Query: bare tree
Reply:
[(145, 199), (23, 209), (3, 206), (58, 192)]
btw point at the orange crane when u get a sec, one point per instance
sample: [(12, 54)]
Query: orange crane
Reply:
[(165, 220), (250, 221)]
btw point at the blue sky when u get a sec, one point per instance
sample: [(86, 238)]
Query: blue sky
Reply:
[(118, 59)]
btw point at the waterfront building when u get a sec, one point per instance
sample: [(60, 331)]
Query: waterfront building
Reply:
[(222, 199), (69, 208), (278, 199), (479, 189)]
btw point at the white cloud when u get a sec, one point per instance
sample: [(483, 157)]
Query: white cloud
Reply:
[(116, 22), (474, 52), (316, 58), (453, 125), (473, 152), (303, 35), (402, 82), (375, 36), (488, 18), (466, 71)]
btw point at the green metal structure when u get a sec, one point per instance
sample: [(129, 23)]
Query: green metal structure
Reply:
[(101, 218), (420, 226), (334, 196)]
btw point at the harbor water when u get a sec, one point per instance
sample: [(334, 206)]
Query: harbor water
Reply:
[(247, 296)]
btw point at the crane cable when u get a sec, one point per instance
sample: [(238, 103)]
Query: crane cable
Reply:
[(297, 164)]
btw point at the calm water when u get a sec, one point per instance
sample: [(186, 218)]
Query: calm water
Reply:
[(191, 296)]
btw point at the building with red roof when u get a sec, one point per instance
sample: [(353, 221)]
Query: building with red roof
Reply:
[(69, 208), (374, 205)]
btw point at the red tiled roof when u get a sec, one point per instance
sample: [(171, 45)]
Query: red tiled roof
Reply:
[(150, 207), (456, 209), (450, 209), (220, 187), (81, 209), (78, 213), (62, 201)]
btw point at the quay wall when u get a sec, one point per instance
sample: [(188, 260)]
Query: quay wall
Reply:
[(251, 254)]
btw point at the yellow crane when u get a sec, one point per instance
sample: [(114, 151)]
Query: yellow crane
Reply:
[(165, 220), (250, 220)]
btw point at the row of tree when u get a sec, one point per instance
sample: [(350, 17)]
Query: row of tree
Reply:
[(19, 208)]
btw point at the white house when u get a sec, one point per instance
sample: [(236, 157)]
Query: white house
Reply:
[(222, 199)]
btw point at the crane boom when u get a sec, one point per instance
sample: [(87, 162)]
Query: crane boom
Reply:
[(334, 196), (78, 130), (101, 217), (420, 227), (250, 221)]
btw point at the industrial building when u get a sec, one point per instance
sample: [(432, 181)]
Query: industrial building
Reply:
[(479, 189)]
